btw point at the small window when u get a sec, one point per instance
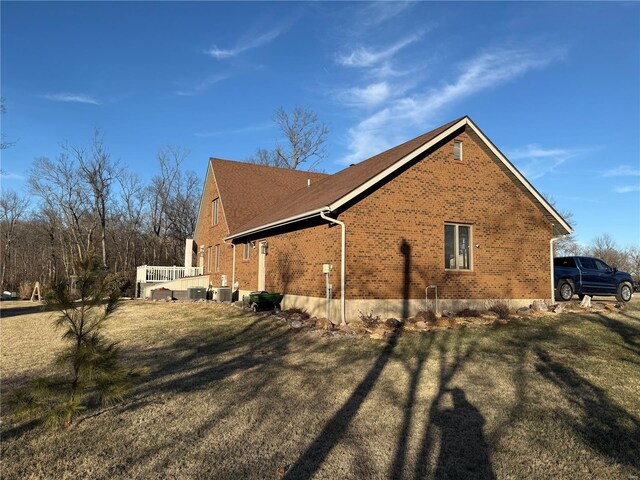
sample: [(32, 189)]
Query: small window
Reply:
[(247, 250), (209, 259), (457, 246), (217, 264), (214, 211), (600, 265), (457, 150)]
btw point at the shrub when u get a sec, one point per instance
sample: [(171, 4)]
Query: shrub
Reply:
[(25, 289), (468, 312), (427, 316), (119, 281), (369, 321), (290, 312), (501, 309)]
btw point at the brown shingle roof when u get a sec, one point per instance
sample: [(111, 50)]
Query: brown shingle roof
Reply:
[(333, 187), (247, 189)]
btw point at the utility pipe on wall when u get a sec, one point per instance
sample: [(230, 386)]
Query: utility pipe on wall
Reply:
[(343, 263)]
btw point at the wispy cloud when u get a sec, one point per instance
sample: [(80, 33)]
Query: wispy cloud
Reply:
[(246, 44), (203, 86), (369, 96), (390, 124), (72, 98), (622, 171), (236, 131), (4, 175), (366, 57), (535, 161), (376, 13), (627, 189)]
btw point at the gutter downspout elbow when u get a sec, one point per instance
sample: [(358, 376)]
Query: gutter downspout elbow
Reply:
[(343, 265)]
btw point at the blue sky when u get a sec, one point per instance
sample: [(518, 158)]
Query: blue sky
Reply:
[(556, 86)]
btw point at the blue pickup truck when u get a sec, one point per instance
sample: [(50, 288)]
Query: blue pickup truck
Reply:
[(589, 276)]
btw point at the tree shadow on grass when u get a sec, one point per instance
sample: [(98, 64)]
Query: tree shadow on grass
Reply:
[(314, 456), (628, 333), (605, 426), (196, 362)]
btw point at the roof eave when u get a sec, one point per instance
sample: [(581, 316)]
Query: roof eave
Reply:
[(279, 223)]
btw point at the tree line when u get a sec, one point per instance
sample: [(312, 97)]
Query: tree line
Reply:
[(84, 203)]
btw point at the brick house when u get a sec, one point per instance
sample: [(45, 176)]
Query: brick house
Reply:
[(445, 209)]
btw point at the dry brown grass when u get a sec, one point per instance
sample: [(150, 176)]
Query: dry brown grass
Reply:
[(237, 395)]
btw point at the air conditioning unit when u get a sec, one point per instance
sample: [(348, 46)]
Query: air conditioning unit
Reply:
[(196, 293), (222, 294)]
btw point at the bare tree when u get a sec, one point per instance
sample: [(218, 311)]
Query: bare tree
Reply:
[(129, 217), (98, 172), (633, 261), (12, 208), (182, 208), (303, 143), (58, 184), (168, 193), (605, 248), (4, 143)]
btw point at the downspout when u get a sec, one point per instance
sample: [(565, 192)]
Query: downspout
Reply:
[(343, 265), (553, 284), (233, 264)]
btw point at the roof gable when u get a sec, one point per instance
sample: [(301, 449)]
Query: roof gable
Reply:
[(247, 190), (333, 191)]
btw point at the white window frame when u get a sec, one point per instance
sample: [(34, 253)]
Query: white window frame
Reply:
[(246, 255), (457, 143), (217, 258), (456, 246), (209, 258), (215, 204)]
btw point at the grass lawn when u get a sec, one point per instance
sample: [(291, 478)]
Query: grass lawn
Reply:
[(233, 395)]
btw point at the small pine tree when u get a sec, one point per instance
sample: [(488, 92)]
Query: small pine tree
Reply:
[(89, 364)]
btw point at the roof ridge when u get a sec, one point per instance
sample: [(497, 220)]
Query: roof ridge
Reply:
[(259, 165)]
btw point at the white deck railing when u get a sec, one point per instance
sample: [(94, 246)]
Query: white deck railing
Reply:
[(149, 274)]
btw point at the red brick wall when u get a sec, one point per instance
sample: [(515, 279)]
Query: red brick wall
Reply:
[(512, 260)]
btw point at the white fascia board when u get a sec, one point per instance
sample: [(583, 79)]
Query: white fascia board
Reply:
[(520, 177), (399, 164), (278, 223)]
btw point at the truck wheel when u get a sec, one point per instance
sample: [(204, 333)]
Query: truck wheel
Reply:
[(254, 308), (624, 292), (565, 291)]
